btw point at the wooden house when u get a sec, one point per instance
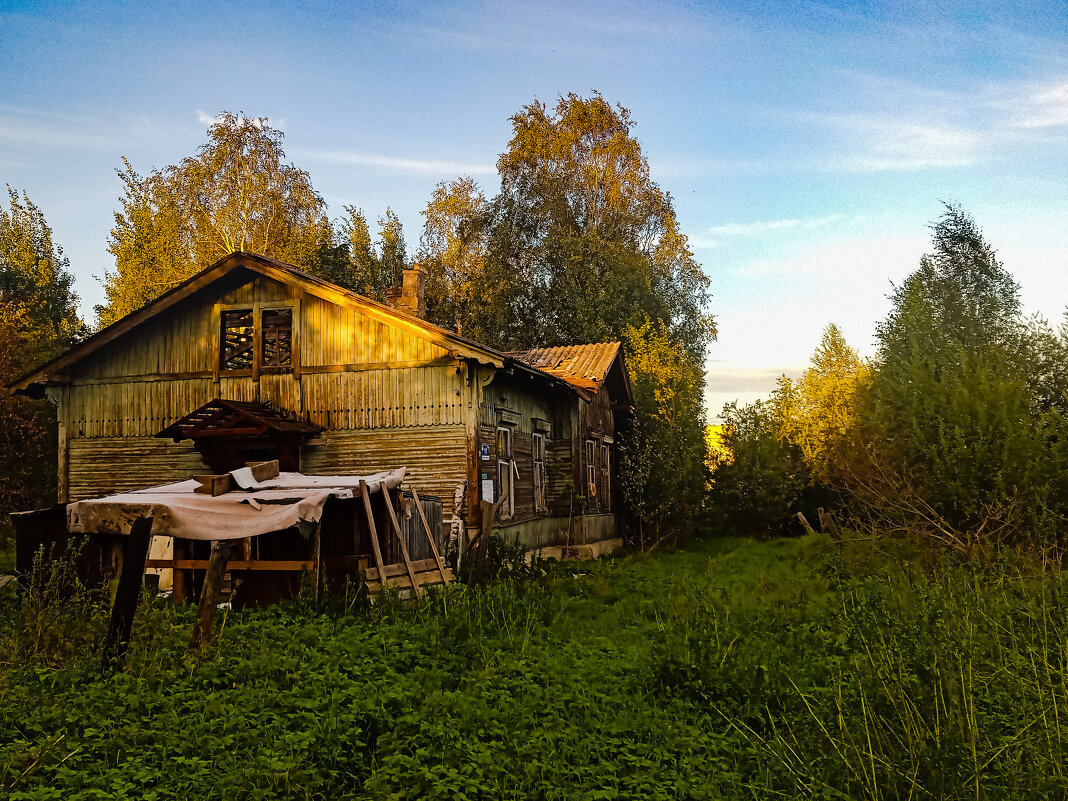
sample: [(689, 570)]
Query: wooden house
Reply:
[(252, 359)]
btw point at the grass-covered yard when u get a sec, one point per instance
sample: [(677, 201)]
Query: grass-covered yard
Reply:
[(730, 669)]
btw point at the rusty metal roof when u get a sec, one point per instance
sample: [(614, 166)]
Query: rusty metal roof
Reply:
[(582, 366)]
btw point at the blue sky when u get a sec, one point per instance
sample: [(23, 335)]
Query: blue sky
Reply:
[(807, 146)]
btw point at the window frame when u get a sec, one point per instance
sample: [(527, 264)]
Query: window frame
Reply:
[(505, 464), (606, 474), (257, 308), (538, 471), (590, 454)]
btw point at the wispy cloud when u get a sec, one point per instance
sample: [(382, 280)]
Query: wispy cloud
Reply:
[(397, 164), (948, 130), (762, 226), (1041, 107)]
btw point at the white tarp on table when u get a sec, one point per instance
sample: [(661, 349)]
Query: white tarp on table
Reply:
[(291, 499)]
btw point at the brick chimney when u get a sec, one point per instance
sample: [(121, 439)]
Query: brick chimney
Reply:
[(410, 296)]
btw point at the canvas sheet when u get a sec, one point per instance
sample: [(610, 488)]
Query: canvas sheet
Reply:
[(291, 499)]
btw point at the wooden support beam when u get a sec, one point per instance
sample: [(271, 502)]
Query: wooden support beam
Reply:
[(400, 538), (293, 565), (429, 534), (209, 594), (375, 545), (128, 593)]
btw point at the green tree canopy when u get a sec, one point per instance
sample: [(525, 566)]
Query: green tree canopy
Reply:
[(236, 193), (952, 422), (38, 321), (581, 245), (580, 242)]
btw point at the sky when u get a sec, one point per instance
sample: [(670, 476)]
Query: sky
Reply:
[(808, 147)]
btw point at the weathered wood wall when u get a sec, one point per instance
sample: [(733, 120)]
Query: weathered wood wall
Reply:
[(106, 465), (436, 457), (351, 373)]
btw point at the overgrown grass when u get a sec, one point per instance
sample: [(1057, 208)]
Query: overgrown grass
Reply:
[(733, 669)]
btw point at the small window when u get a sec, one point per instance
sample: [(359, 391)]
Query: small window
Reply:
[(539, 473), (591, 474), (505, 469), (238, 339), (277, 339), (256, 339), (606, 477)]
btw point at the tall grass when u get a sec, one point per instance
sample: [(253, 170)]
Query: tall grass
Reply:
[(785, 669)]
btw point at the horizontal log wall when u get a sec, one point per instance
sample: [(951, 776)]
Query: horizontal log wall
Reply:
[(436, 456), (106, 465)]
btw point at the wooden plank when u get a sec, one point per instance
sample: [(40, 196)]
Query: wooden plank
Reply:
[(209, 594), (399, 569), (375, 545), (400, 539), (263, 471), (215, 485), (804, 522), (117, 639), (405, 583), (236, 564), (429, 533)]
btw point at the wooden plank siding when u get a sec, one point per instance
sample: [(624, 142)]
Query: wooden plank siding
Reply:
[(106, 465), (436, 456)]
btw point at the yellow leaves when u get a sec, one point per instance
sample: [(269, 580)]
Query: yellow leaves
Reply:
[(820, 412)]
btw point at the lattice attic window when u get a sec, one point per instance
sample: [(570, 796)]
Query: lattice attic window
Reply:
[(238, 340), (277, 338)]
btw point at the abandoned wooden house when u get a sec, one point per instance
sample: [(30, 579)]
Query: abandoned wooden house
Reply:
[(252, 359)]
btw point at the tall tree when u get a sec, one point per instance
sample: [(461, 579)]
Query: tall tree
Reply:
[(38, 320), (952, 421), (820, 412), (580, 245), (452, 249), (236, 193)]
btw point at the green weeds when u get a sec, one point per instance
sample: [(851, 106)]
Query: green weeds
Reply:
[(735, 669)]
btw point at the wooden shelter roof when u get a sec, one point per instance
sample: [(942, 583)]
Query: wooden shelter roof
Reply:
[(228, 418)]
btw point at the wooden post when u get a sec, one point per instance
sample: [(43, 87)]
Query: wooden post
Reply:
[(375, 546), (317, 559), (430, 536), (209, 593), (478, 548), (804, 523), (404, 548), (179, 590), (127, 595)]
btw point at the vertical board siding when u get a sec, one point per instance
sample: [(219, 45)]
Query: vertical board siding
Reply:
[(134, 409), (106, 465), (435, 456), (397, 398), (331, 334)]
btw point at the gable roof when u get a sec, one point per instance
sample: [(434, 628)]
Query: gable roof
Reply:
[(32, 383)]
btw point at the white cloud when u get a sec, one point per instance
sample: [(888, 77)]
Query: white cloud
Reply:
[(1041, 107), (892, 144), (763, 226), (395, 164)]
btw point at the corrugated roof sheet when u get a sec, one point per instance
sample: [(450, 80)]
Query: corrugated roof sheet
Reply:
[(582, 366)]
